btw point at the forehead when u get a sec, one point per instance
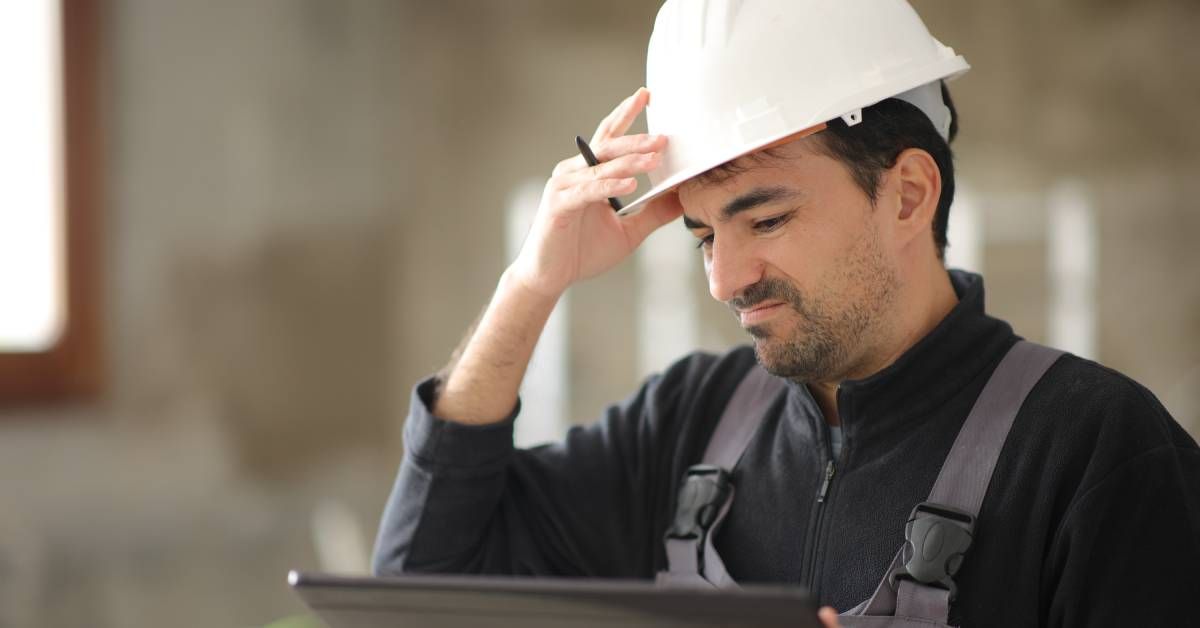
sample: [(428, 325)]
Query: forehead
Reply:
[(797, 167)]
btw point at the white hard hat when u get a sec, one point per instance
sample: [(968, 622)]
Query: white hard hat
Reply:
[(728, 77)]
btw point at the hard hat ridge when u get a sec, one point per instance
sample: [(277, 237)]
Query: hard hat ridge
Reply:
[(728, 77)]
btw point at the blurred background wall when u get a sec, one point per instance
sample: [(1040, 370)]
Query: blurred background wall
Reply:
[(307, 201)]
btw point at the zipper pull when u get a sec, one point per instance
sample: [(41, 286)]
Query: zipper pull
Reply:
[(825, 484)]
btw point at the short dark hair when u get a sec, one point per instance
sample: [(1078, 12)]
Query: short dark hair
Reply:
[(872, 146)]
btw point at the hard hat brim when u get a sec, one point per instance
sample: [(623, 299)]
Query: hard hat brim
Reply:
[(683, 176)]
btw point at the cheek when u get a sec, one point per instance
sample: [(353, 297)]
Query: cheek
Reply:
[(805, 252), (826, 263)]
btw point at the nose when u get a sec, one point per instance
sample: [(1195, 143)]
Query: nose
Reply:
[(730, 269)]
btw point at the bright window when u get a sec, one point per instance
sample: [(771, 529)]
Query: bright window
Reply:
[(32, 312)]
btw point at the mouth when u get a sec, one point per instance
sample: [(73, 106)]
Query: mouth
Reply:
[(758, 313)]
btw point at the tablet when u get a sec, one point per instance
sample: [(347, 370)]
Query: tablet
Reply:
[(473, 601)]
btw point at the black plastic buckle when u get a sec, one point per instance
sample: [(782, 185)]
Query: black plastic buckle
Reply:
[(936, 538), (704, 492)]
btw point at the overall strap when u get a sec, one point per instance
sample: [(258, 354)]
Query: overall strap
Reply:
[(741, 418), (947, 518), (707, 492)]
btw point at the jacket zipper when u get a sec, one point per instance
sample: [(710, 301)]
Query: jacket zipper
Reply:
[(829, 470), (817, 519)]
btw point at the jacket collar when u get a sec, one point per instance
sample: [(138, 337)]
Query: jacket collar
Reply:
[(947, 359)]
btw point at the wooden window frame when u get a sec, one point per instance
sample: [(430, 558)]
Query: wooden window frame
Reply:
[(71, 369)]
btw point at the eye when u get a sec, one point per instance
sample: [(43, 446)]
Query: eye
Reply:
[(705, 242), (771, 224)]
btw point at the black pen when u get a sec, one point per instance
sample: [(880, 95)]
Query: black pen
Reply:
[(591, 160)]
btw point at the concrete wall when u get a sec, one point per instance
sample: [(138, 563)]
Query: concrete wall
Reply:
[(305, 209)]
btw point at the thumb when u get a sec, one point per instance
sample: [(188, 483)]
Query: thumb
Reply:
[(657, 213), (828, 616)]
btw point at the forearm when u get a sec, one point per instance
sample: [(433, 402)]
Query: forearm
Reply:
[(575, 235), (481, 383)]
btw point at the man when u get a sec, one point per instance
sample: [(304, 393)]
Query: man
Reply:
[(825, 237)]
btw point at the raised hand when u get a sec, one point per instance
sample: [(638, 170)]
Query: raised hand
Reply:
[(576, 234)]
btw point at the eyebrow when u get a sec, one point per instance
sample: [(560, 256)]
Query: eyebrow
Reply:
[(750, 200)]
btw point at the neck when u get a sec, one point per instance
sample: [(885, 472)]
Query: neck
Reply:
[(919, 309)]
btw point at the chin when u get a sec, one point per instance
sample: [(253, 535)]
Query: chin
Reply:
[(766, 352), (800, 359), (773, 366)]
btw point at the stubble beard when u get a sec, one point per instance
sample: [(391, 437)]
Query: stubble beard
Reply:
[(825, 341)]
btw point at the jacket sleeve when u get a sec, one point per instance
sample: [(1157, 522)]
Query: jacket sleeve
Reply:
[(466, 501), (1127, 551)]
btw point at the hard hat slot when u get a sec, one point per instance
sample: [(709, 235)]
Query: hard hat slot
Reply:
[(852, 118)]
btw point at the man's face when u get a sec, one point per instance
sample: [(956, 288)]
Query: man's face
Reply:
[(795, 248)]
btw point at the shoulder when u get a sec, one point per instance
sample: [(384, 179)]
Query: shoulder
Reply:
[(665, 420), (1090, 424), (1100, 405), (692, 389), (702, 369)]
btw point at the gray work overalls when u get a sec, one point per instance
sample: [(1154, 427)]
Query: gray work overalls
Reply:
[(918, 587)]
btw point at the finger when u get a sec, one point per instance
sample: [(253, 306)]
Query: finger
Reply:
[(659, 212), (613, 148), (597, 191), (828, 616), (602, 130), (621, 167), (621, 118), (570, 164)]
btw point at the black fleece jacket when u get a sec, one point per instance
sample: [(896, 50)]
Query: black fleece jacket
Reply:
[(1092, 517)]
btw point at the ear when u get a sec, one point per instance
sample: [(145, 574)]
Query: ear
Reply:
[(918, 183)]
